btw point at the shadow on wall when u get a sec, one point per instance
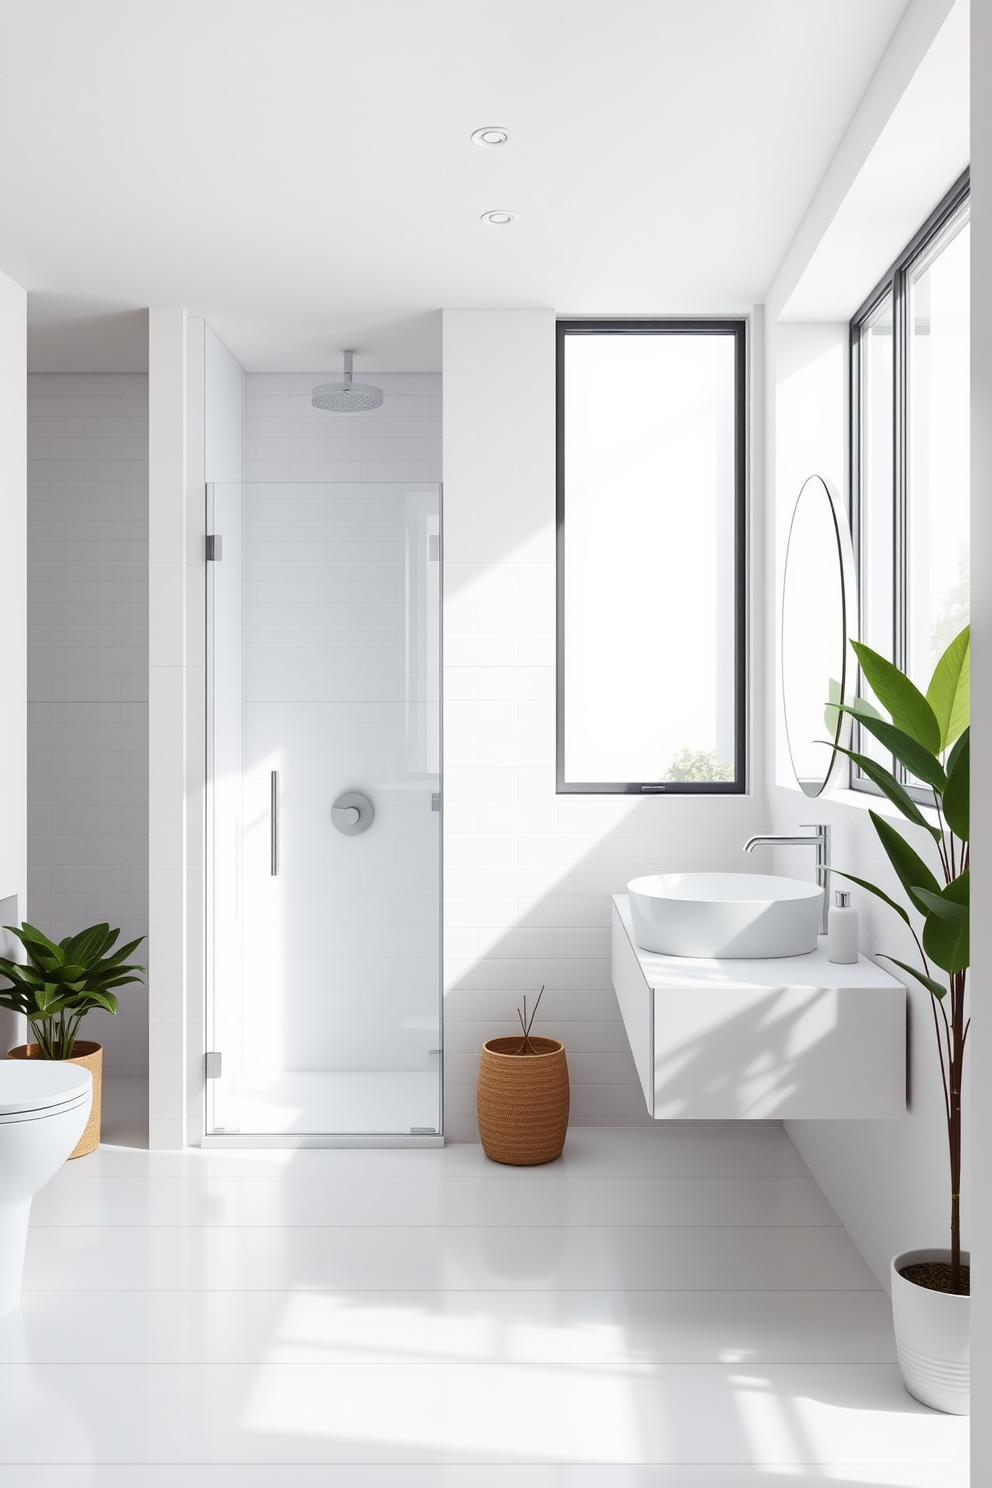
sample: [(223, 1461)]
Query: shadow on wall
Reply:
[(67, 333), (561, 936)]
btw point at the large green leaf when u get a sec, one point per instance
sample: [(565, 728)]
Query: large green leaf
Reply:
[(123, 952), (874, 889), (890, 786), (932, 986), (946, 933), (910, 868), (909, 708), (89, 945), (949, 690), (28, 935), (105, 1000), (918, 761), (957, 796)]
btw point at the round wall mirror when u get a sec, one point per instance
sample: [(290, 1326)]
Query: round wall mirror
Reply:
[(819, 617)]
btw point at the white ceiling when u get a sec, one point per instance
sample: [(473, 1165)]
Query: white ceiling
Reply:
[(300, 171)]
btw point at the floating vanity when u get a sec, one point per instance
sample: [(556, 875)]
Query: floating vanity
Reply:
[(790, 1037)]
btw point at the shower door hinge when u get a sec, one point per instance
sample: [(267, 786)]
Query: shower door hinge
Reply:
[(212, 1064), (435, 800), (434, 547), (214, 546)]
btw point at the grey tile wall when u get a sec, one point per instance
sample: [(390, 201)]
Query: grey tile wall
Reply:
[(88, 670)]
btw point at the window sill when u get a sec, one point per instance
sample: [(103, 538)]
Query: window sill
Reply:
[(864, 801)]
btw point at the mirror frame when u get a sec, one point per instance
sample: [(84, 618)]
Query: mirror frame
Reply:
[(847, 573)]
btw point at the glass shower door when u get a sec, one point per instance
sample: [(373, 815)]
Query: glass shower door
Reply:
[(323, 664)]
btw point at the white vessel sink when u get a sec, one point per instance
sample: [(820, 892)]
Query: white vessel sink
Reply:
[(744, 916)]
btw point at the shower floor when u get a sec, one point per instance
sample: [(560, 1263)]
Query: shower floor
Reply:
[(334, 1103)]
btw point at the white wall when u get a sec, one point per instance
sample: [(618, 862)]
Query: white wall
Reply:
[(176, 723), (887, 1180), (13, 622), (88, 671), (980, 1074), (528, 874)]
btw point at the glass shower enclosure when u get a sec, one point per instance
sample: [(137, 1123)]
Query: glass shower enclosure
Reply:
[(323, 1006)]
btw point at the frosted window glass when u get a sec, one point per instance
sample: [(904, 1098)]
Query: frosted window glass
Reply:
[(912, 380), (877, 532), (649, 506), (939, 473)]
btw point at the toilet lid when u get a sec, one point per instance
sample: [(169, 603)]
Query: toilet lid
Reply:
[(33, 1084)]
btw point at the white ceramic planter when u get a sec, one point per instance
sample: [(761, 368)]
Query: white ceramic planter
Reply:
[(932, 1337)]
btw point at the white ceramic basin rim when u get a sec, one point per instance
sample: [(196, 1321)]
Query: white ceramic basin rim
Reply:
[(745, 916)]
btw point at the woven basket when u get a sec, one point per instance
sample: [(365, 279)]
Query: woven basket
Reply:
[(90, 1056), (523, 1101)]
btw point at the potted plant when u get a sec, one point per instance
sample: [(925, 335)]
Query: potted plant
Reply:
[(929, 734), (55, 990), (522, 1096)]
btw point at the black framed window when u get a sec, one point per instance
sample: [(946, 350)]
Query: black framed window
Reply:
[(910, 454), (651, 556)]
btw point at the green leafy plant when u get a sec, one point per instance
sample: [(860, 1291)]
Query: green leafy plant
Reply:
[(62, 983), (930, 735)]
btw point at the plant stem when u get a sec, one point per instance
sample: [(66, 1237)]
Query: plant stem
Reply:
[(958, 983)]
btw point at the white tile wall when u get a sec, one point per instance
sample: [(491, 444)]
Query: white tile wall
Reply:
[(528, 874), (348, 931), (288, 440), (88, 669)]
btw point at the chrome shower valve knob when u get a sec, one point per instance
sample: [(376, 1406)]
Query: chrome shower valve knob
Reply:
[(352, 813)]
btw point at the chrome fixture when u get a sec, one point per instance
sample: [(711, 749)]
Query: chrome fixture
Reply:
[(820, 840), (352, 813), (492, 134), (274, 822), (346, 396), (499, 218)]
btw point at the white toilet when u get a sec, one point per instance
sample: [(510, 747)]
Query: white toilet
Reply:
[(44, 1106)]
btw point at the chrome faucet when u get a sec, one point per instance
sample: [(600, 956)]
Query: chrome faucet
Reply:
[(820, 840)]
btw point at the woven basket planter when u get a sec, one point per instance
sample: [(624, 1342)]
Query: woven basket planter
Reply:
[(90, 1056), (523, 1101)]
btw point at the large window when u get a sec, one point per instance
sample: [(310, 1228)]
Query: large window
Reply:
[(910, 402), (651, 548)]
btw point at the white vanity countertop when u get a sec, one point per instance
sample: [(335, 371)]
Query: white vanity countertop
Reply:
[(680, 973)]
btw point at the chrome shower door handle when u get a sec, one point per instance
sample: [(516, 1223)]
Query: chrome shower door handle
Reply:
[(274, 823)]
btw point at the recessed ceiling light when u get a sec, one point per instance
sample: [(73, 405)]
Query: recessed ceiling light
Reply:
[(499, 219), (493, 134)]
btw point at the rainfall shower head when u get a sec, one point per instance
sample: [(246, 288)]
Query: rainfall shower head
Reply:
[(347, 396)]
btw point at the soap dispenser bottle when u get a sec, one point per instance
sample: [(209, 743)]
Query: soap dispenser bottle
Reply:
[(842, 930)]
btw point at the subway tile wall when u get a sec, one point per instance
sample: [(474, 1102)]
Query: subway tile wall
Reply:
[(88, 670), (288, 440)]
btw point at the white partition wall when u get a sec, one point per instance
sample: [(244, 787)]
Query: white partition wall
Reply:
[(175, 722), (13, 613)]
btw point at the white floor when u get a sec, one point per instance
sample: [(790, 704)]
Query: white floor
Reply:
[(660, 1309)]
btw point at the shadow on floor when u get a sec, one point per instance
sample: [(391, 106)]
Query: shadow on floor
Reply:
[(124, 1120)]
